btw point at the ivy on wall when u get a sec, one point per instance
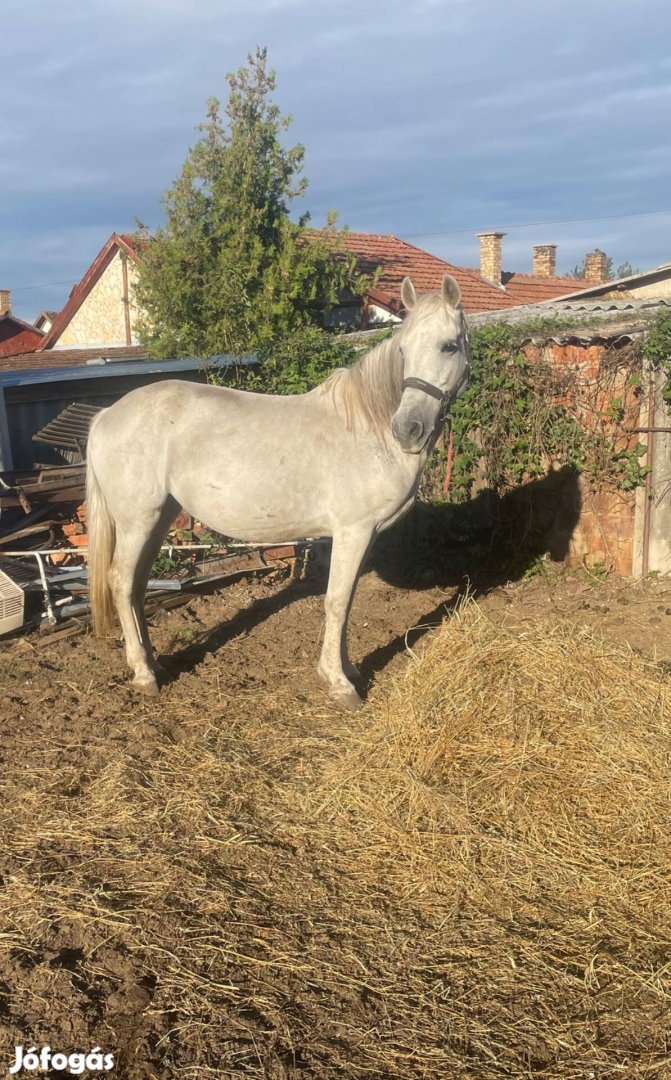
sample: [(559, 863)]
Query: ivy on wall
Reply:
[(519, 415), (657, 349)]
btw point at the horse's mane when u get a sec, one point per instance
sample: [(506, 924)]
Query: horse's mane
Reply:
[(372, 388)]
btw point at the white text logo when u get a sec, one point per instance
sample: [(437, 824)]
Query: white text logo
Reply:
[(75, 1064)]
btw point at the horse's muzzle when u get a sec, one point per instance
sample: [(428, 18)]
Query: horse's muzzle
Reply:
[(410, 434)]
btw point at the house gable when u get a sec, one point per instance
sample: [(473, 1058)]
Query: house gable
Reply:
[(45, 320), (100, 311)]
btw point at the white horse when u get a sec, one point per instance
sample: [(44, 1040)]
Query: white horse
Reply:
[(342, 461)]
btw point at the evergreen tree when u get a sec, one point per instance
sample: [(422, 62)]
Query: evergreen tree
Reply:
[(230, 271), (625, 269)]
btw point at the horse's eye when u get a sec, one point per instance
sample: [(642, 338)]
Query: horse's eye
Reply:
[(450, 346)]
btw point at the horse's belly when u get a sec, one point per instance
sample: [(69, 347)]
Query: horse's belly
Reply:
[(253, 512), (270, 482)]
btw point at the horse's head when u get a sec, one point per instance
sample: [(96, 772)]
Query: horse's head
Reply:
[(434, 344)]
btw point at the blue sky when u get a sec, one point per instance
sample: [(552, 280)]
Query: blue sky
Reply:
[(430, 119)]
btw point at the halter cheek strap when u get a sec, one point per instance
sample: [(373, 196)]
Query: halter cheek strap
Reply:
[(445, 398), (427, 387)]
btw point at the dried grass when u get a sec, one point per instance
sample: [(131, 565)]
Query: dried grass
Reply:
[(515, 791), (470, 879)]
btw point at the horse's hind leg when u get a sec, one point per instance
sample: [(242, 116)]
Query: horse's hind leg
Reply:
[(128, 575), (143, 572), (349, 550)]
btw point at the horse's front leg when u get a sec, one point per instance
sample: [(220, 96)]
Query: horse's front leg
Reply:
[(349, 550)]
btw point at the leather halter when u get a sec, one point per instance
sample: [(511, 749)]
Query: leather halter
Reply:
[(427, 387), (445, 397)]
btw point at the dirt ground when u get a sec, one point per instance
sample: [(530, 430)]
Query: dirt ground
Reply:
[(77, 969)]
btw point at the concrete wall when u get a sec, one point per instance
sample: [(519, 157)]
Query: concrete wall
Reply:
[(378, 315)]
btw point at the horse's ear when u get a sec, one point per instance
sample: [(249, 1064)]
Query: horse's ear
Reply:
[(408, 294), (451, 290)]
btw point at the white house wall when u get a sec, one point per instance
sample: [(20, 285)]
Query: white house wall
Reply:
[(101, 320)]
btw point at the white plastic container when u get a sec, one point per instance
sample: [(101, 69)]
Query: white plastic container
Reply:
[(11, 604)]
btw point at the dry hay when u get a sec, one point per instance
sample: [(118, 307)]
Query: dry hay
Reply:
[(469, 879), (515, 791)]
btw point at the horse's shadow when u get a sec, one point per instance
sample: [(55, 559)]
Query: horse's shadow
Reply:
[(210, 641), (488, 541), (474, 548), (470, 548)]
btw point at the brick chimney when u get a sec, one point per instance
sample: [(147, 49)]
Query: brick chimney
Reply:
[(5, 301), (545, 260), (596, 267), (490, 255)]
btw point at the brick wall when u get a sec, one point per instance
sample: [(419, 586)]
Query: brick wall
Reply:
[(605, 530)]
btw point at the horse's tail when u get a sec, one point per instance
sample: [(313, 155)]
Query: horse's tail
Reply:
[(102, 537)]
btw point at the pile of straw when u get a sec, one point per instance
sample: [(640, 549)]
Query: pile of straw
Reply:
[(471, 878), (514, 791)]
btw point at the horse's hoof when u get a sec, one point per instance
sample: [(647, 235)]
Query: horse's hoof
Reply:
[(350, 672), (149, 687), (347, 700)]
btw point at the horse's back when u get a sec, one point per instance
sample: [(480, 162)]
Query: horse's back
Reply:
[(151, 419), (131, 442), (174, 401), (160, 403)]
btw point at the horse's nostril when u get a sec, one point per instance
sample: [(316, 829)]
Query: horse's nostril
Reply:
[(416, 430)]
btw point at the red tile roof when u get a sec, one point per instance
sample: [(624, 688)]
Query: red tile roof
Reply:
[(530, 289), (55, 358), (397, 258), (116, 242), (17, 335)]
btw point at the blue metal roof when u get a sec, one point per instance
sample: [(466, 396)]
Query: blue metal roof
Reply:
[(109, 369)]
